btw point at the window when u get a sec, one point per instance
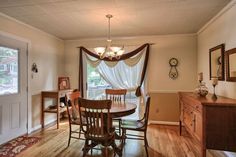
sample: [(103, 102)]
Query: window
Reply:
[(8, 71), (96, 84)]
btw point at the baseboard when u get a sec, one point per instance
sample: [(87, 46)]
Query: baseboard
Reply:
[(36, 128), (150, 122), (40, 126), (163, 122)]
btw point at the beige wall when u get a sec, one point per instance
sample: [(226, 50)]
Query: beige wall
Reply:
[(165, 107), (160, 86), (47, 52), (221, 30)]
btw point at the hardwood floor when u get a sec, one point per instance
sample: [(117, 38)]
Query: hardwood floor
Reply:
[(164, 141)]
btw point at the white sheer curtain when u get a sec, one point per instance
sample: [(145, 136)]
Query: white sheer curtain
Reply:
[(121, 75), (124, 74)]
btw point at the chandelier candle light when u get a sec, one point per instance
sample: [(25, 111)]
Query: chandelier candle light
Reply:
[(214, 83), (200, 77), (109, 51)]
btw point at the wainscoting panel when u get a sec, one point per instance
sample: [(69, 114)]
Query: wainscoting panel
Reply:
[(15, 116), (164, 107)]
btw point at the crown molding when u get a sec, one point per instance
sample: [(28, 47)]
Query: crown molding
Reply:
[(29, 26), (217, 16), (130, 37)]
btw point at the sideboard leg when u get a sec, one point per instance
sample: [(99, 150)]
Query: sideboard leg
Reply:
[(203, 152)]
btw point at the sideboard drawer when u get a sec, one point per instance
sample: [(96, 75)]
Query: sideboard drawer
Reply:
[(198, 107), (195, 105), (197, 125), (188, 118)]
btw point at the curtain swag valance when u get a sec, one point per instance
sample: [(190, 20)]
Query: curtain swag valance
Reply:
[(129, 59), (132, 61)]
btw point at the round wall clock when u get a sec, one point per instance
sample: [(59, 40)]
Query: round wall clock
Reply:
[(173, 62), (173, 74)]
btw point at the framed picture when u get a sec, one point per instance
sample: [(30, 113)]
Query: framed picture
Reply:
[(63, 83)]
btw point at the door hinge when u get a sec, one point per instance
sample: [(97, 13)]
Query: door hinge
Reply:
[(27, 89), (26, 125)]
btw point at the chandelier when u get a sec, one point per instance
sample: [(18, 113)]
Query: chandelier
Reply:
[(109, 51)]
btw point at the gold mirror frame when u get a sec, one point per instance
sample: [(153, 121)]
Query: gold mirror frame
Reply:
[(220, 61), (229, 72)]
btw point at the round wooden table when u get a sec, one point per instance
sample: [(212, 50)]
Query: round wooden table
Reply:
[(122, 109)]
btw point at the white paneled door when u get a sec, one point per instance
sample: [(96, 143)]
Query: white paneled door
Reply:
[(13, 88)]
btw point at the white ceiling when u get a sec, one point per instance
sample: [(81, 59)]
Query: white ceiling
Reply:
[(72, 19)]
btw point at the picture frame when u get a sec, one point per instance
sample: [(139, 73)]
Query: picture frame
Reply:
[(63, 83), (216, 62), (230, 57)]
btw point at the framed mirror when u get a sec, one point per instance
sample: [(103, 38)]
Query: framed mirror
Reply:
[(230, 56), (216, 62)]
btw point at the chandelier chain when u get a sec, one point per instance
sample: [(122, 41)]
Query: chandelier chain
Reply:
[(109, 16)]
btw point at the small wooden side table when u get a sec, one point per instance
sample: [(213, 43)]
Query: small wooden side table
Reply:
[(54, 95)]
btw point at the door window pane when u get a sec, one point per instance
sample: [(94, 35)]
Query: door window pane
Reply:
[(8, 71)]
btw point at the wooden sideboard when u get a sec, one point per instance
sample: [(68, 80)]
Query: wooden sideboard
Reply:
[(212, 123), (57, 110)]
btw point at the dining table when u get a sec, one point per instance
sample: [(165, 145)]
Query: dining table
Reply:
[(122, 109)]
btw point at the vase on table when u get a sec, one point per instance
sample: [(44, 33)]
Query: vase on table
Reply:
[(202, 89)]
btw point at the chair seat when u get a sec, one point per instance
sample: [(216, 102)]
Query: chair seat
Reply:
[(76, 121), (116, 121), (132, 124), (112, 130), (100, 137)]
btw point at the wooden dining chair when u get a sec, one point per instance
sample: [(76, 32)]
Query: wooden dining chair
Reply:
[(117, 96), (73, 114), (137, 125), (98, 125)]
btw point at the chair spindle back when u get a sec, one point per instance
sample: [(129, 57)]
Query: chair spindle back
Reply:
[(97, 117), (116, 95), (73, 97), (147, 108)]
